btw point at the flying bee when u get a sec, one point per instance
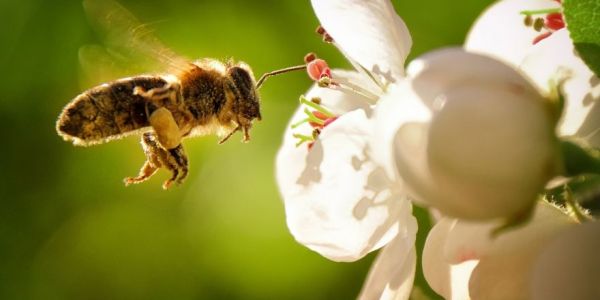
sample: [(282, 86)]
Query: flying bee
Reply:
[(196, 98)]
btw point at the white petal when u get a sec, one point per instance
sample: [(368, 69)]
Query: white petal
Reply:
[(501, 265), (450, 281), (473, 239), (339, 203), (392, 274), (369, 32), (569, 268), (504, 272), (470, 162), (500, 32), (397, 107), (556, 55), (436, 268)]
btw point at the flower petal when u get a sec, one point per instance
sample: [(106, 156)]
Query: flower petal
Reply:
[(446, 279), (556, 55), (569, 267), (397, 107), (369, 32), (500, 32), (436, 268), (469, 162), (500, 266), (338, 202), (504, 272), (392, 274)]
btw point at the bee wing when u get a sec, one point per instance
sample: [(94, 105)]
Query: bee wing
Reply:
[(99, 65), (130, 46)]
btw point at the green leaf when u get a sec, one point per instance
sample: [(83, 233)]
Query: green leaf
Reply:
[(579, 159), (583, 21)]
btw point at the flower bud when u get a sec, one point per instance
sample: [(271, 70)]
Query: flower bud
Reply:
[(489, 147)]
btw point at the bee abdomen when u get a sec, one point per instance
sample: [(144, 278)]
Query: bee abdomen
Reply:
[(107, 112)]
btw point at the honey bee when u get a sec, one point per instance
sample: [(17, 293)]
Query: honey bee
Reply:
[(193, 98)]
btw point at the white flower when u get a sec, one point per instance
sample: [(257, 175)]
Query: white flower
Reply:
[(338, 201), (471, 136), (462, 261), (500, 33), (569, 267)]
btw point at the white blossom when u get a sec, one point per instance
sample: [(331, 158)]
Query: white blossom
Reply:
[(500, 33), (340, 202), (471, 136), (461, 260)]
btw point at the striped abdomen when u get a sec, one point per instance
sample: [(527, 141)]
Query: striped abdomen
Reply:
[(107, 111)]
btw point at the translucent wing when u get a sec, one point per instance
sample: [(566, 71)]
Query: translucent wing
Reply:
[(130, 47)]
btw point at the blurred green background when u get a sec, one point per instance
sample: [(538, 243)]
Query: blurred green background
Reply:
[(69, 229)]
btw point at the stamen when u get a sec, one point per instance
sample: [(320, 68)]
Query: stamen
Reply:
[(316, 106), (318, 119), (302, 138), (541, 11), (352, 88)]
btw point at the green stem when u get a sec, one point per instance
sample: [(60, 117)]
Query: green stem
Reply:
[(541, 11)]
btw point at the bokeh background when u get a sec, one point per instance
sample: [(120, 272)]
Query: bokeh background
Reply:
[(69, 229)]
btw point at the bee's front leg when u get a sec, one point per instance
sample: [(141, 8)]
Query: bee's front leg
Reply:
[(157, 157)]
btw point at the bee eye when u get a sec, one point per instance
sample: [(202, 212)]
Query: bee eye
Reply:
[(244, 84), (242, 81)]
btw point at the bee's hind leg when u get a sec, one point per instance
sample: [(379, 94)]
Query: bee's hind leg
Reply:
[(158, 157)]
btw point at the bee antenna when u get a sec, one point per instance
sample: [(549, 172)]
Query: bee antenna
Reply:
[(277, 72)]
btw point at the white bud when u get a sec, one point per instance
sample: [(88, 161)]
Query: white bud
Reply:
[(489, 147)]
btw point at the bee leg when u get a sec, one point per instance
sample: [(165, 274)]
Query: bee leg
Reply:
[(168, 91), (246, 130), (177, 162), (223, 140), (157, 157), (153, 161)]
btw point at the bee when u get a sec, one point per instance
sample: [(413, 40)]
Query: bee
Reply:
[(193, 98)]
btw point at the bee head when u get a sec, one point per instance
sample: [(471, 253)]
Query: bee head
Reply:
[(248, 105)]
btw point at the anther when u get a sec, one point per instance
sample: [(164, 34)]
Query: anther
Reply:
[(538, 24), (528, 21), (309, 57), (327, 38), (315, 133), (324, 81), (316, 100), (320, 30)]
